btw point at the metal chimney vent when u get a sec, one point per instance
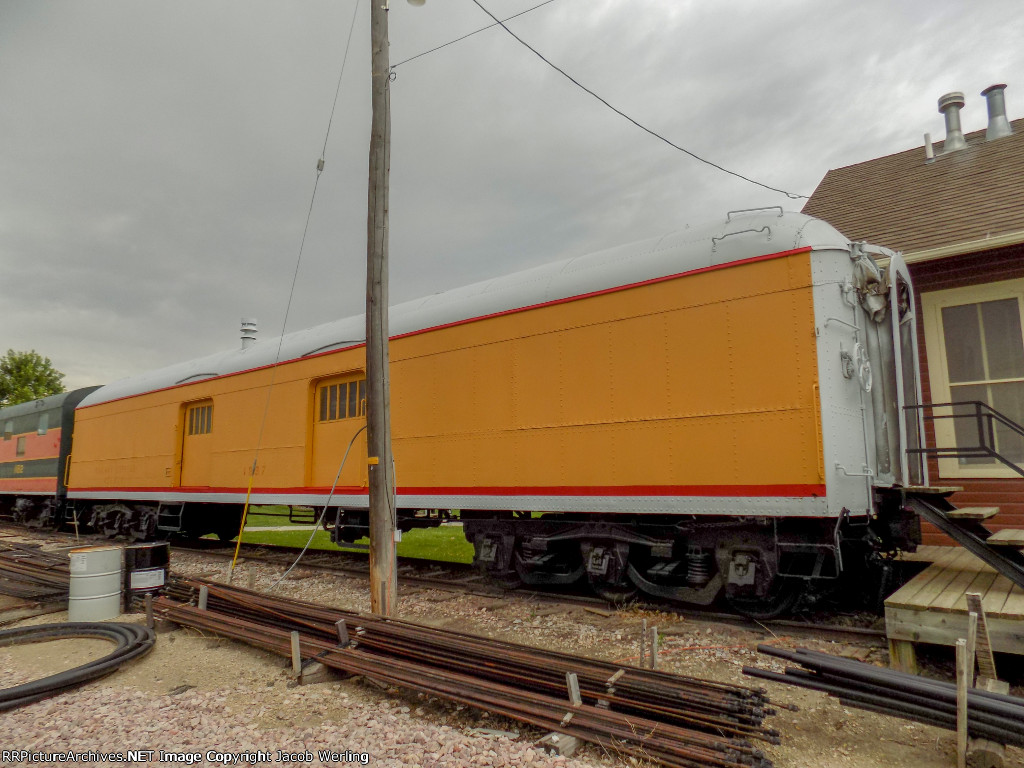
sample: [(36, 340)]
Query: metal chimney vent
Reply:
[(949, 106), (998, 125), (248, 332)]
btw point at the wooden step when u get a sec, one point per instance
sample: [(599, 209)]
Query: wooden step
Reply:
[(1008, 537), (972, 513)]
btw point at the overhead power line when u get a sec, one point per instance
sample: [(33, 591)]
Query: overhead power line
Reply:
[(655, 134), (291, 294), (460, 39)]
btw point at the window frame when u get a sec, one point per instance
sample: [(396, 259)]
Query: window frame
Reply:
[(932, 304), (333, 386), (198, 418)]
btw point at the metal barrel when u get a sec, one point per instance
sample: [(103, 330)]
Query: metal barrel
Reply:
[(145, 567), (94, 592)]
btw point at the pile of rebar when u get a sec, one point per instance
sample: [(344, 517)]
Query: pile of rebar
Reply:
[(675, 720), (33, 574), (992, 716)]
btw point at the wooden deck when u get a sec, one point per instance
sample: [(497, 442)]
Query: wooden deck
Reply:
[(932, 607)]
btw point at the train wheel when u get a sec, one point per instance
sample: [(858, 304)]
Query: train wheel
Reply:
[(616, 594), (506, 579), (780, 599), (142, 524), (110, 519), (607, 567)]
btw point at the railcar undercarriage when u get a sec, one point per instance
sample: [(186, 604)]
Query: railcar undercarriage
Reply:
[(135, 521), (759, 566), (35, 511)]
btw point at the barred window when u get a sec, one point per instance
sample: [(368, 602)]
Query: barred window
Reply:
[(345, 400), (200, 420)]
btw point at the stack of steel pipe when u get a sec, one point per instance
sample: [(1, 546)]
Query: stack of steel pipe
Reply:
[(677, 721), (32, 573), (992, 716)]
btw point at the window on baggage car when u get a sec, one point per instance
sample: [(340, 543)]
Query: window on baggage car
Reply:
[(342, 400), (19, 449), (200, 420), (9, 429), (44, 423)]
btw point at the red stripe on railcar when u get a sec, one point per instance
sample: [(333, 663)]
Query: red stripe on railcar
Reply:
[(746, 491), (28, 485)]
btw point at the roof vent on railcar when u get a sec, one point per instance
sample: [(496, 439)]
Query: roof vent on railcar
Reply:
[(249, 331)]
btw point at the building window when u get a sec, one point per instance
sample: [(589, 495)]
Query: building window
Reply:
[(342, 400), (19, 448), (200, 420), (975, 342)]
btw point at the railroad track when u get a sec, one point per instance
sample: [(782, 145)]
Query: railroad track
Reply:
[(464, 578), (428, 573)]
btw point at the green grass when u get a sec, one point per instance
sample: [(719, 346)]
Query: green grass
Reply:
[(269, 516), (445, 543)]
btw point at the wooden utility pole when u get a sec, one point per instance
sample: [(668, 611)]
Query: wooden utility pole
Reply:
[(383, 514)]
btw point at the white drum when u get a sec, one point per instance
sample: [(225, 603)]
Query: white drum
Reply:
[(95, 588)]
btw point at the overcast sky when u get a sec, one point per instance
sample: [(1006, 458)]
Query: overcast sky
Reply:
[(157, 160)]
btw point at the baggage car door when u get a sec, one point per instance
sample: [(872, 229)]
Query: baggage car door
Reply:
[(339, 411), (197, 444)]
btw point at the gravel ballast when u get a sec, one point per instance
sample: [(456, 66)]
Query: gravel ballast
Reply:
[(194, 694)]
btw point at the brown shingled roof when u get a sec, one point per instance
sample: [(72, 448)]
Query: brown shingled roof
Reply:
[(904, 203)]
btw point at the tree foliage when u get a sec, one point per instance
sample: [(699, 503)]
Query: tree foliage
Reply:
[(27, 376)]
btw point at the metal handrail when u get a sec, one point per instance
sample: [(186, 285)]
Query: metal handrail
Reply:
[(985, 418)]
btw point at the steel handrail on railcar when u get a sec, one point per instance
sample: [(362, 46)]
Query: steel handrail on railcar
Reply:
[(985, 418)]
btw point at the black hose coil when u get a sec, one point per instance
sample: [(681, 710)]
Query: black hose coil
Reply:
[(132, 641)]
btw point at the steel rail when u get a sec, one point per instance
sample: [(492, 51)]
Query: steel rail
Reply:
[(855, 634), (499, 699), (849, 634), (996, 703), (738, 720), (998, 717), (557, 664), (641, 713), (891, 703), (329, 616)]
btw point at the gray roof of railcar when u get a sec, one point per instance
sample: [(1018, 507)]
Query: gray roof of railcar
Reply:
[(33, 406), (678, 251)]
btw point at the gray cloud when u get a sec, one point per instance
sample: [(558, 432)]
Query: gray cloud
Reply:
[(158, 159)]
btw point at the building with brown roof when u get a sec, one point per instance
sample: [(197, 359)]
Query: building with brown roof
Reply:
[(956, 211)]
